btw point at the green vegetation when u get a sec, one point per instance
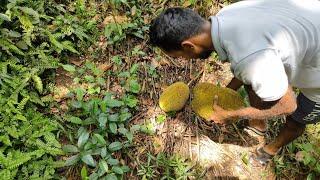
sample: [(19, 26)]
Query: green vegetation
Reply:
[(34, 36), (302, 156)]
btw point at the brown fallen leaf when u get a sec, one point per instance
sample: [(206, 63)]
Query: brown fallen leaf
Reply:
[(114, 19), (104, 67)]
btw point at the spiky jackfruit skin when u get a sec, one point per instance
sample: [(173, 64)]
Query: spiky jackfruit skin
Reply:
[(203, 99), (174, 97)]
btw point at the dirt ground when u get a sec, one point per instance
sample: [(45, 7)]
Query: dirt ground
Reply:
[(224, 152)]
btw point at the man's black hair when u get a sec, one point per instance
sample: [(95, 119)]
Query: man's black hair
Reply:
[(173, 26)]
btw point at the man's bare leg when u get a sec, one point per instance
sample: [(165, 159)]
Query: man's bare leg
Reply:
[(289, 132)]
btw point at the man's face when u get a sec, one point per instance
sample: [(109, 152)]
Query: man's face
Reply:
[(203, 54)]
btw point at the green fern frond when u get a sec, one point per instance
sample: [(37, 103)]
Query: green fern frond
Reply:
[(19, 159), (22, 103), (51, 140), (5, 174), (38, 83), (12, 131), (5, 140)]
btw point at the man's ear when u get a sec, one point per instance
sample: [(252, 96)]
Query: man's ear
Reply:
[(188, 45)]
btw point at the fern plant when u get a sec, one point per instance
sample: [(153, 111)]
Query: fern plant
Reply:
[(34, 36)]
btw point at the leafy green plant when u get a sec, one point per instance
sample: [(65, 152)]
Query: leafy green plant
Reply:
[(116, 32), (31, 42), (302, 156), (102, 128), (167, 167), (27, 137)]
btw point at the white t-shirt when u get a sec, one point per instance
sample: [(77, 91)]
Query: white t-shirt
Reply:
[(270, 44)]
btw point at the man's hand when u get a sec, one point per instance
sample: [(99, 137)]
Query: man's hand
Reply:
[(220, 115), (284, 106)]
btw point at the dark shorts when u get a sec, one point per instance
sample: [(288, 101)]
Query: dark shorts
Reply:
[(307, 112)]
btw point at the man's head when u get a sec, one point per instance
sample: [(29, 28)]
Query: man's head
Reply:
[(182, 32)]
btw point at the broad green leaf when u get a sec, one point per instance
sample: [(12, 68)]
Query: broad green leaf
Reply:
[(91, 90), (4, 17), (100, 139), (74, 120), (89, 78), (76, 104), (90, 65), (113, 117), (89, 121), (115, 146), (94, 176), (134, 128), (103, 152), (125, 116), (103, 118), (113, 162), (101, 81), (88, 159), (116, 59), (83, 138), (103, 106), (124, 74), (111, 177), (311, 176), (134, 68), (113, 127), (103, 165), (70, 148), (69, 68), (114, 103), (72, 160), (134, 86), (89, 145), (95, 106), (131, 101), (125, 169), (129, 136), (161, 118), (122, 131), (117, 170), (84, 173)]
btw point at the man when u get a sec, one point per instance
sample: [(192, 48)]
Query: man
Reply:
[(272, 45)]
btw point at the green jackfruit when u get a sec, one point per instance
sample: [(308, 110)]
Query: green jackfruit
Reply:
[(203, 99), (174, 97)]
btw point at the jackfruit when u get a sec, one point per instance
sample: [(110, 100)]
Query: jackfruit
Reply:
[(174, 97), (203, 99)]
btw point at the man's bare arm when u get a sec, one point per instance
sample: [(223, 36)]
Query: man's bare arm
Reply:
[(284, 106)]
